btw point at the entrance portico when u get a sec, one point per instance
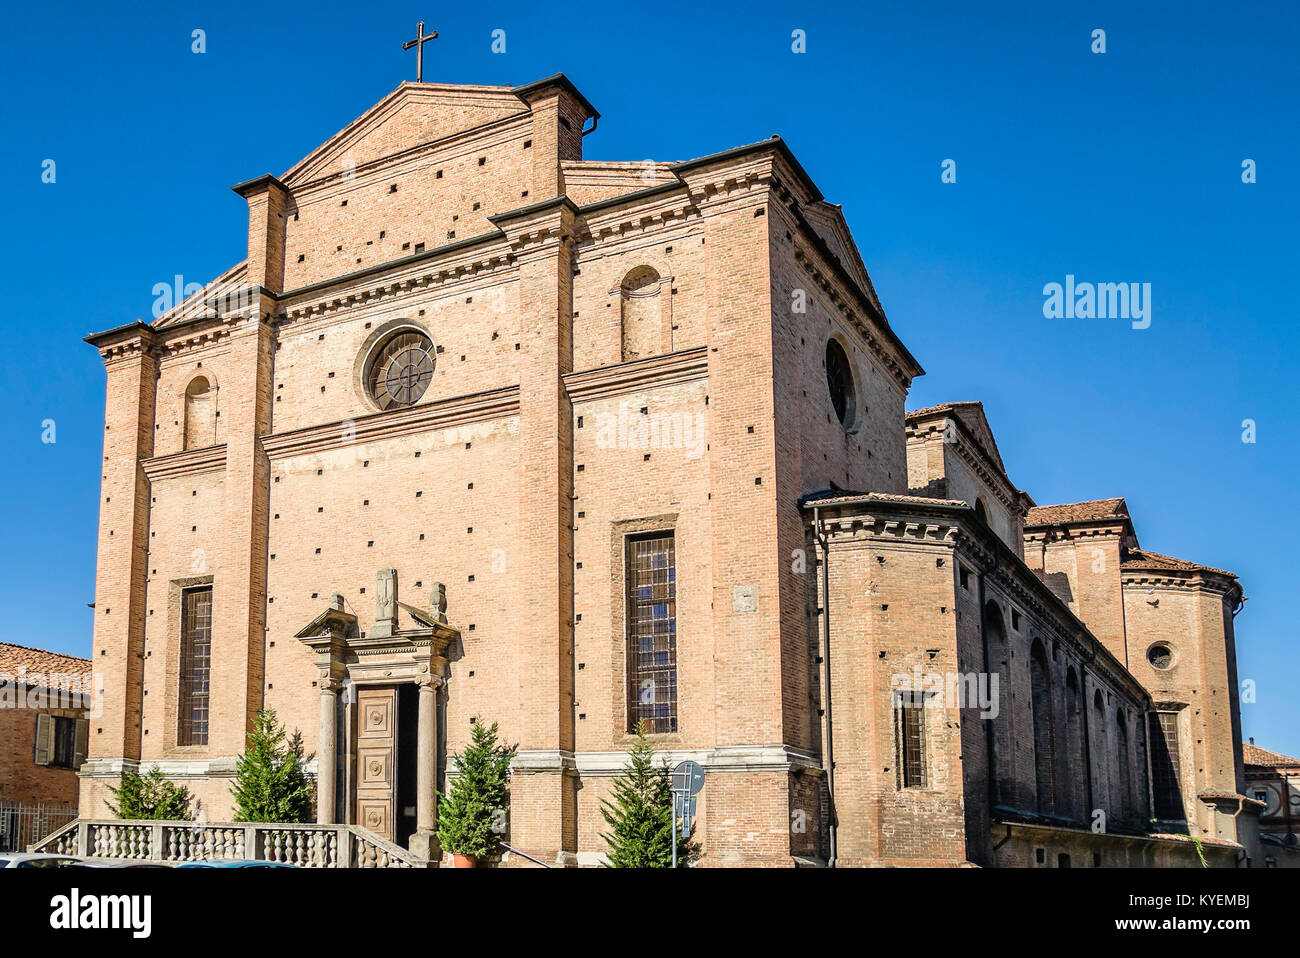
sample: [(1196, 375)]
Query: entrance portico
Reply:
[(372, 773)]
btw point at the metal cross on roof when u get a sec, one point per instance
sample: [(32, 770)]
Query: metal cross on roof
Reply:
[(421, 38)]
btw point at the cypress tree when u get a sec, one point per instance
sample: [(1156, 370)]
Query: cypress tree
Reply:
[(270, 784), (641, 813)]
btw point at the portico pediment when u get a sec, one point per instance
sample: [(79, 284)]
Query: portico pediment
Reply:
[(387, 652)]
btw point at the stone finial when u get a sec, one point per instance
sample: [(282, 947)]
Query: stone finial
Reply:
[(438, 601), (385, 603), (336, 602)]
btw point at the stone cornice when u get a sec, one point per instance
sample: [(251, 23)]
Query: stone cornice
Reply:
[(896, 360), (724, 177), (720, 758), (685, 366), (191, 462), (129, 340), (536, 226), (1199, 580), (952, 523), (469, 257), (655, 208), (1100, 528), (443, 414)]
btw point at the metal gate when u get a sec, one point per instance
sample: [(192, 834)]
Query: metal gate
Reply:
[(23, 823)]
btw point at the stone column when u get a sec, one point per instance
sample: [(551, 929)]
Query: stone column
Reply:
[(424, 842), (327, 750)]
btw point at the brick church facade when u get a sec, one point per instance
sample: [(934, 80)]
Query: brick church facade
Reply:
[(481, 431)]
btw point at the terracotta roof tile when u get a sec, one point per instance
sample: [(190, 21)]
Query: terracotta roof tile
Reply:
[(13, 657), (1252, 754), (1077, 512), (1142, 559), (942, 407)]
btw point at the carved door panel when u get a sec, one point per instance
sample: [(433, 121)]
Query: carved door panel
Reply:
[(377, 759)]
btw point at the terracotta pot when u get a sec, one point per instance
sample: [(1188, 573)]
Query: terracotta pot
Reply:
[(463, 861)]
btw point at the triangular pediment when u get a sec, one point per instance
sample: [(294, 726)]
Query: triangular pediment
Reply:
[(412, 115), (210, 301), (333, 622), (973, 418), (828, 220)]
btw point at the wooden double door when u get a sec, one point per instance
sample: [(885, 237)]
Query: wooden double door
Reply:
[(386, 737)]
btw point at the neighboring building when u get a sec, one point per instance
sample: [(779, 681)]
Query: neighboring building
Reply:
[(602, 418), (1274, 779), (43, 724)]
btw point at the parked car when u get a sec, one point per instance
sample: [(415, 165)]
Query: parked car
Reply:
[(117, 863), (38, 860), (235, 863)]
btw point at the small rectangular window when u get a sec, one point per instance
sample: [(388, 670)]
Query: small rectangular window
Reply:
[(909, 719), (651, 589), (963, 575), (195, 666), (60, 741)]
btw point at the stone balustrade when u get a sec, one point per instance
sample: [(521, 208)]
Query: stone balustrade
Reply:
[(176, 842)]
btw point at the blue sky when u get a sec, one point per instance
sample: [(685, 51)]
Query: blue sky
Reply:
[(1115, 167)]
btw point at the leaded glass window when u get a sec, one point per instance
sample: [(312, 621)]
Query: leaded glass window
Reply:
[(652, 633), (401, 370), (196, 666)]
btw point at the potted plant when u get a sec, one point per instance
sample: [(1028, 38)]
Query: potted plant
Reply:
[(472, 816)]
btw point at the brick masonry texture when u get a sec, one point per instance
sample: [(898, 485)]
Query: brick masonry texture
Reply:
[(621, 348)]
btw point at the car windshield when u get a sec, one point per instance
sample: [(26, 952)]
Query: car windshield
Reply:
[(46, 863)]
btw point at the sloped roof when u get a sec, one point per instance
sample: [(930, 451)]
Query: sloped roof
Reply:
[(1093, 509), (971, 415), (1252, 754), (14, 657), (1142, 559)]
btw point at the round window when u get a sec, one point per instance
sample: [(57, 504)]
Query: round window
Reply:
[(401, 369), (839, 379), (1160, 656)]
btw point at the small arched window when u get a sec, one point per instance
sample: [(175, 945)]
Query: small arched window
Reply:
[(1076, 762), (981, 511), (1124, 800), (999, 663), (200, 414), (1100, 752), (643, 314)]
